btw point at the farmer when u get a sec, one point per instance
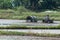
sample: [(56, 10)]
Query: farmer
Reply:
[(47, 18)]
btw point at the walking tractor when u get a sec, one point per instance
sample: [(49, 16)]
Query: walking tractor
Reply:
[(31, 19)]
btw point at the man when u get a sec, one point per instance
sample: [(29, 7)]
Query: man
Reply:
[(47, 18)]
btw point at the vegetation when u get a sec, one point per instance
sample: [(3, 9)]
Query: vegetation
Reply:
[(20, 9), (30, 27), (21, 13), (30, 4), (29, 34)]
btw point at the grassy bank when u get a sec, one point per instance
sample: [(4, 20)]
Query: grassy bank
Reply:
[(30, 27), (21, 13), (28, 34)]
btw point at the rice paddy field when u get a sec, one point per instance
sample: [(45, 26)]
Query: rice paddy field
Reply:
[(22, 13), (28, 34)]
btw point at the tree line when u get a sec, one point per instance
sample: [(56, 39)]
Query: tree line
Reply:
[(30, 4)]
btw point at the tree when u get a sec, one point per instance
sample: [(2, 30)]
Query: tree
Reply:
[(33, 3), (4, 4)]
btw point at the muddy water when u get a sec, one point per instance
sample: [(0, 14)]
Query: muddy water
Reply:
[(6, 22), (27, 38)]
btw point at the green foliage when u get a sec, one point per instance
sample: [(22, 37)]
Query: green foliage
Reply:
[(29, 34), (29, 27), (30, 4), (5, 4), (21, 13)]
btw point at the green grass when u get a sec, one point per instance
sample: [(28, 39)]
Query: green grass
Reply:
[(29, 34), (21, 13), (30, 27)]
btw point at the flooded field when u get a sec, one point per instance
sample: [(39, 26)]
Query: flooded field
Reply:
[(27, 38), (6, 22)]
